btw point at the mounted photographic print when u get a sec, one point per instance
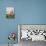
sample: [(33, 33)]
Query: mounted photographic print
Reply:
[(10, 12)]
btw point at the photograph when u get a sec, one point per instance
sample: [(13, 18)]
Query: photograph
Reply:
[(10, 13)]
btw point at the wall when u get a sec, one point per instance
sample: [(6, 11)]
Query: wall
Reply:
[(31, 11), (7, 25), (27, 12)]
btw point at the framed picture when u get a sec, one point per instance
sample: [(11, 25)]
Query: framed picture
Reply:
[(10, 13), (31, 32)]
